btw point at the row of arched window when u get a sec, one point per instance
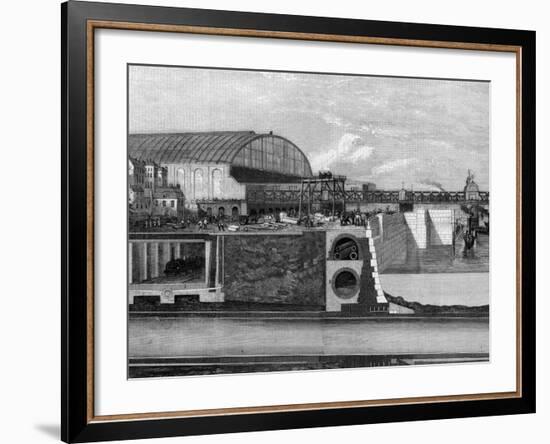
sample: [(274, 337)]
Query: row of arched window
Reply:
[(199, 186)]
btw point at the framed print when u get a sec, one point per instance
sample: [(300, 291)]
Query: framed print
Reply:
[(276, 221)]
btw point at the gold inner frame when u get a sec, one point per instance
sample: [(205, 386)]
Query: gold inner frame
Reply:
[(92, 25)]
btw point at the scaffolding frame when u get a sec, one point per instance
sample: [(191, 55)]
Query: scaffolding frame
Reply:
[(322, 189)]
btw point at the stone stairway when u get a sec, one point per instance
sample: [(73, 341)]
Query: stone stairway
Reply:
[(380, 298)]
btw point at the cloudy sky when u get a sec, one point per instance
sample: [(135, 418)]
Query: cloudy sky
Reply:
[(421, 132)]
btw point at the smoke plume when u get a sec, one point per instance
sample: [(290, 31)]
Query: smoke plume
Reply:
[(433, 183)]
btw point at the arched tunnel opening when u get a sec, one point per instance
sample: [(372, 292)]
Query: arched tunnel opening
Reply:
[(346, 284), (346, 249)]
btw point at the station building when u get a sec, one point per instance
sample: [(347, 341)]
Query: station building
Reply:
[(215, 170)]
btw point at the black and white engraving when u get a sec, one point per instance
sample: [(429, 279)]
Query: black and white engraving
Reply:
[(285, 221)]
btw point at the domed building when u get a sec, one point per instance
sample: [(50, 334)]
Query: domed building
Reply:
[(471, 190), (215, 169)]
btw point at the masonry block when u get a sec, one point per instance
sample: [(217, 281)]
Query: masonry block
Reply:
[(215, 296)]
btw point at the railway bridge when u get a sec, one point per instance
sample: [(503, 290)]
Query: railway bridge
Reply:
[(321, 195)]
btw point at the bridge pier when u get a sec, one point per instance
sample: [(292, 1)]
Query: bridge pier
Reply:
[(143, 262), (130, 262), (154, 259), (165, 256)]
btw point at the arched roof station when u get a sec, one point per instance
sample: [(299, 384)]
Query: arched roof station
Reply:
[(267, 152)]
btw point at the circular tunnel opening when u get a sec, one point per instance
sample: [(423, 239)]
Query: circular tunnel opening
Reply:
[(346, 249), (346, 284)]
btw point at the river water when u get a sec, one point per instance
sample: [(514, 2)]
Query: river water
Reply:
[(442, 275), (471, 289)]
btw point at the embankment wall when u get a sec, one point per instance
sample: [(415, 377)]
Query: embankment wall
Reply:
[(390, 239), (398, 235)]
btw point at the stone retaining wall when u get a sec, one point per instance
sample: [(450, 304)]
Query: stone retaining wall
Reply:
[(389, 233), (401, 234)]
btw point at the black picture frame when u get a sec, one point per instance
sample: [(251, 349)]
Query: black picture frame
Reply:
[(77, 425)]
